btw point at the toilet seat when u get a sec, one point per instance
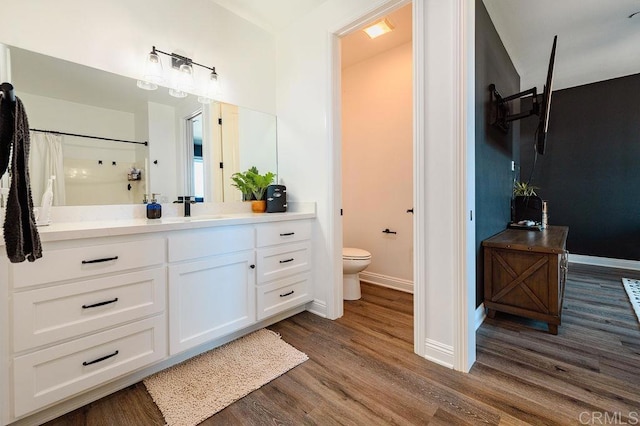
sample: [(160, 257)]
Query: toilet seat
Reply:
[(350, 253)]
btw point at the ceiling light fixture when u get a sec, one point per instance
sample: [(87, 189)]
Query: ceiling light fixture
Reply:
[(182, 80), (379, 28)]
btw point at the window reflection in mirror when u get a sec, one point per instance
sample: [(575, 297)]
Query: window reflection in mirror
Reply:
[(195, 167)]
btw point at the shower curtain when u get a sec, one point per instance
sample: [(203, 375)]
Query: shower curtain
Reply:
[(45, 160)]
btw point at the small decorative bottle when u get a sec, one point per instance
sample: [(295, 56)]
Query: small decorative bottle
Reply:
[(545, 216), (154, 209)]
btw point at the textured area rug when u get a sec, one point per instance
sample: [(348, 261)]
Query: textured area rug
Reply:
[(196, 389), (633, 291)]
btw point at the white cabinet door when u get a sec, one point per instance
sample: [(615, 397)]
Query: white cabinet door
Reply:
[(210, 298)]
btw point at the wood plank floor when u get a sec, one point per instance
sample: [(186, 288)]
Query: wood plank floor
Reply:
[(362, 369)]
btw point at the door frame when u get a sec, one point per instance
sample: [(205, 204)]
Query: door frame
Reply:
[(453, 344)]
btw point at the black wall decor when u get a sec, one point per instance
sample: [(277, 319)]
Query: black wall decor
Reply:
[(494, 149), (590, 173)]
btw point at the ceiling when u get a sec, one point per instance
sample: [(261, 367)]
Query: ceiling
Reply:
[(357, 45), (596, 39)]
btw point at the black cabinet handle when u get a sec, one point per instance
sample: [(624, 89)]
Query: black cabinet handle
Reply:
[(287, 294), (95, 305), (387, 231), (100, 359), (252, 266), (410, 210), (104, 259), (287, 261), (286, 234)]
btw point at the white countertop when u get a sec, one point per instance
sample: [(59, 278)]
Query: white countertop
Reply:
[(103, 227)]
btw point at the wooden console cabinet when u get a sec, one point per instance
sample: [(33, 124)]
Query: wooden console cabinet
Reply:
[(525, 273)]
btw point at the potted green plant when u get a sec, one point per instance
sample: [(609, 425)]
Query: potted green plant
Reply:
[(524, 189), (525, 203), (243, 183), (253, 186)]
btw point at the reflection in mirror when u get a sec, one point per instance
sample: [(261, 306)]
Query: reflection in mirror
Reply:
[(195, 167), (64, 97)]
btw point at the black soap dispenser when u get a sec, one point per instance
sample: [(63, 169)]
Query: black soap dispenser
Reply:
[(154, 209)]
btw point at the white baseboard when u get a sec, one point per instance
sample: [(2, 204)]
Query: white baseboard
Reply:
[(387, 281), (605, 261), (481, 314), (439, 353), (317, 307)]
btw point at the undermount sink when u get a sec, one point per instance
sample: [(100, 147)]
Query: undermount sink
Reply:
[(193, 218)]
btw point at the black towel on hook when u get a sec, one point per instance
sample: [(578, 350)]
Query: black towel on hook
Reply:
[(21, 237)]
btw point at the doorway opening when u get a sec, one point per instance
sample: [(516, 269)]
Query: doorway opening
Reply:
[(377, 157)]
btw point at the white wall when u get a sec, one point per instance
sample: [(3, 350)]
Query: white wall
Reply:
[(377, 164), (115, 35)]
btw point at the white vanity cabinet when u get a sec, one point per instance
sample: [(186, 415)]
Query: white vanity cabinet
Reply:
[(283, 266), (106, 306), (88, 311), (211, 280)]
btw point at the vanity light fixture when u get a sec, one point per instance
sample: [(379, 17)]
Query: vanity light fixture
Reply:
[(182, 80), (381, 27), (212, 89)]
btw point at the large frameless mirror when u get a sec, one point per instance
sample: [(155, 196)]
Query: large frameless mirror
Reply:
[(90, 129)]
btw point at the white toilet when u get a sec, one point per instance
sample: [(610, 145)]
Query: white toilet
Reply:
[(354, 260)]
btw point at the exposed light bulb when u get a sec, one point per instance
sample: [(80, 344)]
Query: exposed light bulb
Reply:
[(153, 72), (212, 89), (185, 80), (177, 93), (147, 85)]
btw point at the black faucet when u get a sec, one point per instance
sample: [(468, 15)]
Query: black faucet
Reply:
[(187, 205)]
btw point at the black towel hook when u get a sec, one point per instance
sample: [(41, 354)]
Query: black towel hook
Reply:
[(7, 91)]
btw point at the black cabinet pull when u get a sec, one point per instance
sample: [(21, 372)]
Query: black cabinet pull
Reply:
[(287, 294), (410, 210), (287, 261), (286, 234), (100, 359), (95, 305), (252, 266), (104, 259), (387, 231)]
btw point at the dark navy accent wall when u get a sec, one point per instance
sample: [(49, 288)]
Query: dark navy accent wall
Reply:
[(590, 173), (494, 149)]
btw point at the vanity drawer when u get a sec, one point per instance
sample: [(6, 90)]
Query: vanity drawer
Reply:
[(283, 294), (82, 262), (283, 232), (281, 261), (209, 242), (50, 375), (49, 314)]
